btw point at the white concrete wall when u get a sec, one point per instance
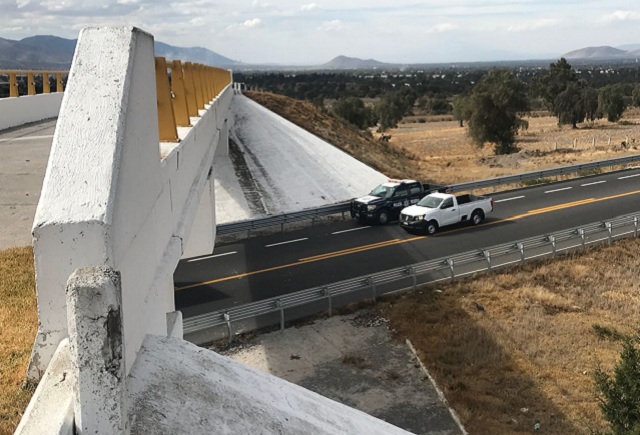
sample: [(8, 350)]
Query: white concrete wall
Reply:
[(109, 199), (28, 108)]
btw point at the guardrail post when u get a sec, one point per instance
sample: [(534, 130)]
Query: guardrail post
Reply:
[(228, 320), (13, 85), (582, 237), (412, 273), (552, 239), (635, 226), (59, 86), (609, 228), (487, 256), (520, 246), (327, 293), (31, 84), (281, 308), (166, 118), (450, 263), (46, 86), (372, 283)]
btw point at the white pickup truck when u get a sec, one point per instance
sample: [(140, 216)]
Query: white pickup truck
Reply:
[(441, 209)]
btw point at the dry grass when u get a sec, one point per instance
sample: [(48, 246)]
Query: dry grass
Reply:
[(442, 151), (535, 345), (18, 324), (531, 354)]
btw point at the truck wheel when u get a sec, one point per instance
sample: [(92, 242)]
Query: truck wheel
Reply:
[(383, 217), (476, 217), (431, 228)]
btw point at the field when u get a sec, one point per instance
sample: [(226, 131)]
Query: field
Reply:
[(441, 151), (527, 357)]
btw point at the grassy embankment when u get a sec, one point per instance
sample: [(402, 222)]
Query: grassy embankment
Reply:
[(18, 324)]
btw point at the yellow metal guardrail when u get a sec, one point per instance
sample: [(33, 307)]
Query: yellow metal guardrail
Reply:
[(182, 89), (31, 83)]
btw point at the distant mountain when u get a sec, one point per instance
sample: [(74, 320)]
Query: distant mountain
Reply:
[(37, 52), (54, 53), (344, 62), (634, 53), (629, 47), (604, 52), (193, 54)]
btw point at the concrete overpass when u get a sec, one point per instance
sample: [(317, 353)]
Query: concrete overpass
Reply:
[(121, 197)]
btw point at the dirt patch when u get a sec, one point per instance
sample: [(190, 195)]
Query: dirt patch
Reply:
[(353, 360)]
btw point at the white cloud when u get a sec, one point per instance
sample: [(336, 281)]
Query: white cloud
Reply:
[(260, 5), (22, 3), (441, 28), (248, 24), (621, 16), (332, 26), (254, 22), (309, 7), (533, 25)]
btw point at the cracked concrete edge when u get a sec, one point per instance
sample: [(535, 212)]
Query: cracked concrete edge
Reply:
[(453, 413)]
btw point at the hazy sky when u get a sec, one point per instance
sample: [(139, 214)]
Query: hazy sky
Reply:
[(314, 32)]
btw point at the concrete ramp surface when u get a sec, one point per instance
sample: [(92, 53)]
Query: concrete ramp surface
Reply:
[(279, 167)]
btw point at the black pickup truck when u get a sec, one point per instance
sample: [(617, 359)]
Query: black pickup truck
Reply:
[(384, 202)]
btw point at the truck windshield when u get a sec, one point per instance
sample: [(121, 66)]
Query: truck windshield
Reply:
[(383, 191), (430, 202)]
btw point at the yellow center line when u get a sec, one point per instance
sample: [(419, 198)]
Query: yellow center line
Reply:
[(348, 251), (393, 242)]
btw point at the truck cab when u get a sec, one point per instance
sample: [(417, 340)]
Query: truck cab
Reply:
[(441, 209), (384, 203)]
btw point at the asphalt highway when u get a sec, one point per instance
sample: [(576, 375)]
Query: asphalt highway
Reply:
[(264, 267)]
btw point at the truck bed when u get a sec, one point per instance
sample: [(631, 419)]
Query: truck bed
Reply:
[(465, 199)]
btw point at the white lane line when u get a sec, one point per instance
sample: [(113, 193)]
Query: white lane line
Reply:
[(510, 199), (629, 176), (27, 138), (591, 184), (558, 190), (352, 229), (284, 243), (212, 256)]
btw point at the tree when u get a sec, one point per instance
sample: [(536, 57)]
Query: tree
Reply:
[(568, 105), (619, 395), (434, 105), (496, 103), (590, 101), (551, 85), (391, 108), (611, 102), (354, 111), (635, 96), (461, 109)]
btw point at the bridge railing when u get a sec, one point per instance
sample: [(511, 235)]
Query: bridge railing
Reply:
[(31, 82), (183, 89), (314, 213), (243, 318), (117, 208)]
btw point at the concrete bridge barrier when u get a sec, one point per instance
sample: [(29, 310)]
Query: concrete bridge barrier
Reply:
[(114, 195)]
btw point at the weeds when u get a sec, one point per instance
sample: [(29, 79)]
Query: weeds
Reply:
[(609, 333), (536, 182)]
